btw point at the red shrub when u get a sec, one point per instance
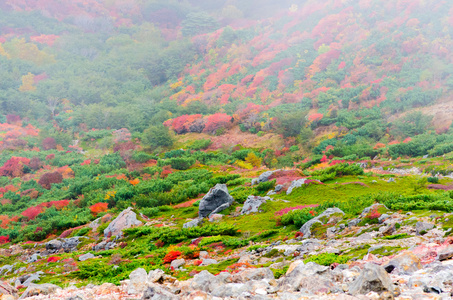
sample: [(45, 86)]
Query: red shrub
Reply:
[(32, 212), (171, 256), (217, 121), (374, 214), (53, 259), (98, 208), (59, 204), (286, 210), (14, 166), (49, 143), (47, 179), (4, 239)]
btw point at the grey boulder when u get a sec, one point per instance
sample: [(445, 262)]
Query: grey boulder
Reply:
[(193, 223), (40, 289), (126, 219), (216, 200), (321, 219), (423, 227)]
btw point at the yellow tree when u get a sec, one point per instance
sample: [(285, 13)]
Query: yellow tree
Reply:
[(27, 83)]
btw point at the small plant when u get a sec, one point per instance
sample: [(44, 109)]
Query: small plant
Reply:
[(326, 259), (433, 179), (171, 256)]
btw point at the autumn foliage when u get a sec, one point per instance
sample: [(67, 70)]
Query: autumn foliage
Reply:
[(171, 256), (47, 179), (98, 208)]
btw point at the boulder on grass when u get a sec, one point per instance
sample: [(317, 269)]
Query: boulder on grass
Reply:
[(126, 219), (216, 200)]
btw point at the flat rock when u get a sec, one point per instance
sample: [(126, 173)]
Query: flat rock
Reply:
[(126, 219), (216, 200), (306, 228), (445, 254), (208, 261), (295, 184), (86, 256), (177, 263), (406, 262)]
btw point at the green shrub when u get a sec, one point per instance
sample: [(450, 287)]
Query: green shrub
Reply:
[(200, 144), (266, 186), (326, 259), (433, 179), (297, 217), (150, 211)]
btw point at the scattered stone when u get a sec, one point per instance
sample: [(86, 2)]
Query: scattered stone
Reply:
[(193, 223), (367, 210), (391, 179), (263, 177), (216, 200), (40, 289), (383, 217), (388, 230), (423, 227), (104, 245), (126, 219), (33, 258), (54, 246), (252, 204), (373, 278), (445, 254), (86, 257)]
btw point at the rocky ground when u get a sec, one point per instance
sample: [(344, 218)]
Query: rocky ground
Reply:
[(401, 256)]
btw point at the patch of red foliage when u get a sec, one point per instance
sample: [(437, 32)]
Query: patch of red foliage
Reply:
[(197, 262), (4, 239), (32, 212), (98, 208), (58, 204), (286, 210), (53, 259), (374, 214), (298, 234), (285, 176), (171, 256), (186, 204)]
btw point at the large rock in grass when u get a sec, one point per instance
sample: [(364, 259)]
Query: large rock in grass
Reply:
[(126, 219), (323, 218), (216, 200), (373, 278)]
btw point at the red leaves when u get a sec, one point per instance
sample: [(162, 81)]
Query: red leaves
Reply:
[(32, 212), (98, 208), (286, 210), (53, 259), (217, 121), (171, 256), (58, 204), (14, 166), (315, 117), (379, 146), (4, 239)]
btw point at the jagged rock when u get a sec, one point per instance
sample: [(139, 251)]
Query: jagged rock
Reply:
[(30, 278), (177, 263), (391, 179), (373, 278), (126, 219), (156, 276), (306, 228), (387, 230), (86, 256), (216, 200), (263, 177), (193, 223), (202, 281), (138, 281), (278, 188), (421, 227), (8, 290), (406, 262), (295, 184), (252, 204), (40, 289)]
